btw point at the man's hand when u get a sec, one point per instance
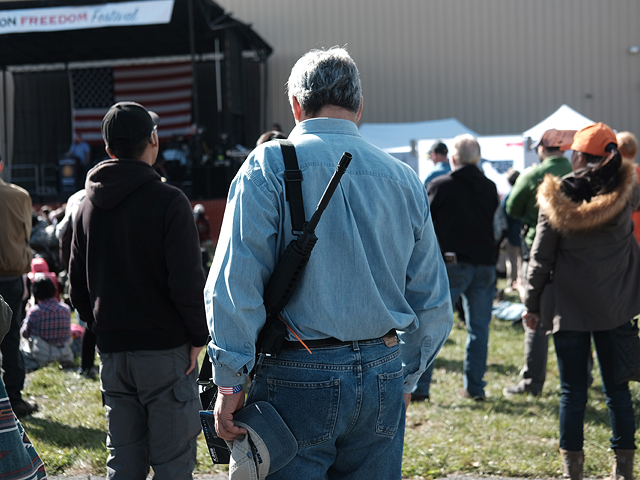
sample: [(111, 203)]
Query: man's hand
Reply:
[(193, 355), (225, 407), (530, 319), (407, 400)]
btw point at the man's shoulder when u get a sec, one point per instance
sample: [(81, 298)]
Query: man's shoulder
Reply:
[(443, 178), (157, 190), (488, 189), (529, 179), (439, 183), (11, 189), (435, 173), (60, 306)]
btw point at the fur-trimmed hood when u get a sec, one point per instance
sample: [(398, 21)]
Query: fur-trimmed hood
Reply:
[(566, 216)]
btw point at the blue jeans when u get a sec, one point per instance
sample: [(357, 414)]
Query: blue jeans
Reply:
[(477, 286), (573, 350), (12, 359), (344, 405)]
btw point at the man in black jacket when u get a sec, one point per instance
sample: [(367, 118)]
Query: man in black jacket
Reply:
[(137, 280), (463, 203)]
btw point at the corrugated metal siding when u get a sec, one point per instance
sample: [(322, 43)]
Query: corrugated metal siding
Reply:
[(499, 66)]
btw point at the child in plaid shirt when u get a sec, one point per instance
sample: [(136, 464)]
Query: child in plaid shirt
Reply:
[(46, 328)]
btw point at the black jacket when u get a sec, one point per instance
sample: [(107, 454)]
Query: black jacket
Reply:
[(463, 203), (135, 271)]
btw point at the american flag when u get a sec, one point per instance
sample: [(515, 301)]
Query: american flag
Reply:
[(163, 88)]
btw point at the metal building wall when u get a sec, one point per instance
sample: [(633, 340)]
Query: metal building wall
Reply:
[(499, 66)]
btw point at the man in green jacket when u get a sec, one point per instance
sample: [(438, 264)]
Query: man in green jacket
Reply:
[(522, 204)]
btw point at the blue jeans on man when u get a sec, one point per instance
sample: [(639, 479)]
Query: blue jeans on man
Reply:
[(12, 359), (477, 286), (345, 406)]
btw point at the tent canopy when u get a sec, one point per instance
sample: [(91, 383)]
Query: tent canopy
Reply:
[(565, 118), (122, 42), (396, 135)]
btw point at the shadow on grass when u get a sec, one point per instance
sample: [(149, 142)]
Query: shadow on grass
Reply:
[(457, 365), (547, 405), (61, 435)]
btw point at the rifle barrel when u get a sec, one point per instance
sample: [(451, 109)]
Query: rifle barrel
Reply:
[(328, 192)]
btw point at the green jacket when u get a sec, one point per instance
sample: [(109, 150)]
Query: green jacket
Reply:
[(522, 199)]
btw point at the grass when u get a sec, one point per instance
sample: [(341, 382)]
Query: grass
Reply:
[(515, 436)]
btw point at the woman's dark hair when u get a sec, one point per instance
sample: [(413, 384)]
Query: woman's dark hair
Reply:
[(597, 178)]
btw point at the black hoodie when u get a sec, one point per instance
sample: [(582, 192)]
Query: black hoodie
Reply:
[(135, 272), (463, 203)]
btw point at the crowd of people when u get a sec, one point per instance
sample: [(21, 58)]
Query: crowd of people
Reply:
[(374, 305)]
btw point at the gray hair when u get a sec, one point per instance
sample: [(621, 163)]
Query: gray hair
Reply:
[(466, 150), (325, 77)]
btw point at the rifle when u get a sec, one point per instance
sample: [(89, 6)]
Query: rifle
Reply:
[(278, 291), (287, 274)]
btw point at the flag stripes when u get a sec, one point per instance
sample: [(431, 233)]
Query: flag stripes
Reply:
[(163, 88)]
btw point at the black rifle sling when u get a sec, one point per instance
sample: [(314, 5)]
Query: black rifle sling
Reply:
[(293, 193), (293, 186)]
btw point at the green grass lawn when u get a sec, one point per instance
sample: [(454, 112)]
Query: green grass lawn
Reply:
[(515, 436)]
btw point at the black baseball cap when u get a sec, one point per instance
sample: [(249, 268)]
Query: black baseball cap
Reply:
[(127, 123), (439, 147)]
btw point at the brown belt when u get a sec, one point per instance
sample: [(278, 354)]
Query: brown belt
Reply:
[(390, 338)]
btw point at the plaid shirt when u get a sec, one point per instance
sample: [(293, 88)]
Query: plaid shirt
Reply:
[(49, 320)]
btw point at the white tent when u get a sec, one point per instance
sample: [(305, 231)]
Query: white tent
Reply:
[(389, 136), (565, 118), (400, 139)]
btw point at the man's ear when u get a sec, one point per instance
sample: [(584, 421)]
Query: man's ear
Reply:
[(359, 114), (109, 152), (297, 109)]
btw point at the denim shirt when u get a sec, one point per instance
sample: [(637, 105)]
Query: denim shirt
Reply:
[(376, 265)]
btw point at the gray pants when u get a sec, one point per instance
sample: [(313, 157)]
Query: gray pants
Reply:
[(152, 414), (536, 349)]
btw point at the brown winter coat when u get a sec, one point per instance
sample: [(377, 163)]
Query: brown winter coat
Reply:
[(586, 258)]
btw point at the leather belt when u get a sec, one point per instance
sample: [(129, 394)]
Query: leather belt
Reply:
[(390, 339)]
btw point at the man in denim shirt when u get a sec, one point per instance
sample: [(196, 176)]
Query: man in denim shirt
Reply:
[(376, 269)]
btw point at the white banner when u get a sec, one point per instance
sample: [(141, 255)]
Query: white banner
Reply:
[(89, 16)]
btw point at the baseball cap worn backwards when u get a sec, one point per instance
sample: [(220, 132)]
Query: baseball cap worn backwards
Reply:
[(267, 447), (594, 140), (127, 123), (554, 138)]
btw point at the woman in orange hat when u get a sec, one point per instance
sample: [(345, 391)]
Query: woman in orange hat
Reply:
[(585, 274)]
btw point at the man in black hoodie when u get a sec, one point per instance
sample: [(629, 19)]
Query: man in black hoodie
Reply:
[(463, 203), (136, 279)]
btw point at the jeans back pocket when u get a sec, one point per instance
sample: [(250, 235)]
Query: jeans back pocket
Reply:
[(309, 409), (390, 386)]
